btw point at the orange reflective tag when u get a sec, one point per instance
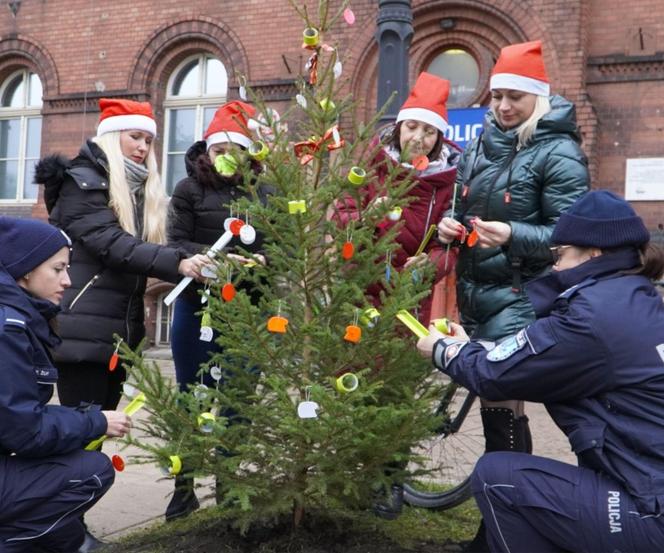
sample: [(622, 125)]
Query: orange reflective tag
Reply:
[(421, 163), (118, 463), (473, 237), (228, 291), (277, 324), (347, 250), (235, 226), (353, 334)]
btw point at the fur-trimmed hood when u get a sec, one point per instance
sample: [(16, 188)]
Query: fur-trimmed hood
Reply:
[(52, 170)]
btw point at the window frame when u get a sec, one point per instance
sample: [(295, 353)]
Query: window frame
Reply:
[(199, 102), (160, 340), (470, 99), (23, 113)]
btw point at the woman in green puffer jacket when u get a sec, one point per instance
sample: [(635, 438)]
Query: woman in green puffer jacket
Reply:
[(513, 182)]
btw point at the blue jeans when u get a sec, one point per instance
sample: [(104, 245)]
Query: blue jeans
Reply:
[(189, 352)]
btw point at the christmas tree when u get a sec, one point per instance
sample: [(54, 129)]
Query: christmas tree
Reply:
[(321, 395)]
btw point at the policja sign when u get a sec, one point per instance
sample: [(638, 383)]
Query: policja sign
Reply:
[(465, 124)]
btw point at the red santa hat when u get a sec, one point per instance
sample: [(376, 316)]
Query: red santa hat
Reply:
[(426, 102), (521, 67), (123, 115), (231, 124)]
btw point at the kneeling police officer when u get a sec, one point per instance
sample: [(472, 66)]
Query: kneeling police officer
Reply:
[(47, 480), (595, 358)]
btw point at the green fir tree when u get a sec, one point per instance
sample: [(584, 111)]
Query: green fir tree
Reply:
[(249, 432)]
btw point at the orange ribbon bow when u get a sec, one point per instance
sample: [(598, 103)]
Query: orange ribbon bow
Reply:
[(305, 151)]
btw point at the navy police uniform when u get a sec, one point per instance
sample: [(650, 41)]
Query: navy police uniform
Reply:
[(595, 358), (47, 480)]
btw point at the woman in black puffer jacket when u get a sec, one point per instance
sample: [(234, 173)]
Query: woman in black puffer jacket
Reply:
[(110, 201), (200, 205), (513, 183)]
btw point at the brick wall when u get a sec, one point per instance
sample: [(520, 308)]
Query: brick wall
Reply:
[(130, 48), (625, 78), (608, 59)]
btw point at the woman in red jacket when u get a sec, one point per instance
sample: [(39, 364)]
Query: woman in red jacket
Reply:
[(416, 142), (415, 148)]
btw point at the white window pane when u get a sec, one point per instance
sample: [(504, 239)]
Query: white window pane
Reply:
[(208, 114), (33, 142), (8, 179), (10, 136), (461, 69), (35, 91), (181, 128), (13, 93), (216, 78), (176, 171), (187, 82), (165, 321), (29, 188)]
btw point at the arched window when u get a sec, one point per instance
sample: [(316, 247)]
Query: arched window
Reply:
[(164, 321), (197, 87), (20, 135), (461, 69)]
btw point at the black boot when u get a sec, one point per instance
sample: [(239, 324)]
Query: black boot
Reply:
[(390, 505), (479, 543), (184, 500), (526, 438), (502, 432), (90, 543)]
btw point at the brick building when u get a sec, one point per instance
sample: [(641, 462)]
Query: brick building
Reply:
[(58, 57)]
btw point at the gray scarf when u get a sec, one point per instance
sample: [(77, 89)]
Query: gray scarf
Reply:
[(136, 175)]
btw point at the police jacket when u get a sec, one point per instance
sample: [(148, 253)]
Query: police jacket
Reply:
[(109, 267), (595, 358), (528, 189), (199, 206), (28, 426)]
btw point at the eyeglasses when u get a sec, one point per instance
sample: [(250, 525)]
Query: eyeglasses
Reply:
[(556, 252)]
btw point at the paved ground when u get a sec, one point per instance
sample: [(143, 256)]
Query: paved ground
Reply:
[(141, 492)]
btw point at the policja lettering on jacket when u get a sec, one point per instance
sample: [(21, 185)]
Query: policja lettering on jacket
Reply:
[(614, 511)]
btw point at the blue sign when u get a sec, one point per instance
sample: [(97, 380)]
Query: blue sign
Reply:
[(464, 124)]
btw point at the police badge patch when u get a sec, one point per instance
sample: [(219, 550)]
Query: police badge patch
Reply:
[(508, 347), (452, 351)]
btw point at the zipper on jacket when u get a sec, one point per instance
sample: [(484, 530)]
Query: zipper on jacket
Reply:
[(507, 164), (432, 203), (84, 290), (131, 299)]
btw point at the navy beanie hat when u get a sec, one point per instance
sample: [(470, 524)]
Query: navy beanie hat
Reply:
[(600, 219), (27, 243)]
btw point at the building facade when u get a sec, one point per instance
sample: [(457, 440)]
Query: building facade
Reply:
[(58, 57)]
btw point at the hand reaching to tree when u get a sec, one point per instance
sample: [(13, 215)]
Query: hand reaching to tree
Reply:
[(118, 423)]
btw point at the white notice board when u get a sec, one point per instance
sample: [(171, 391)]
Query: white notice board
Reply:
[(644, 179)]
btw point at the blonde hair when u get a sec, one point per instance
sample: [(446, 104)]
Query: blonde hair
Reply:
[(525, 130), (122, 200)]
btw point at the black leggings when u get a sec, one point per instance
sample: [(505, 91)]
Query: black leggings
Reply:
[(90, 383)]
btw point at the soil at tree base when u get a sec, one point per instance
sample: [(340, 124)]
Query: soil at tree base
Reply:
[(218, 538)]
